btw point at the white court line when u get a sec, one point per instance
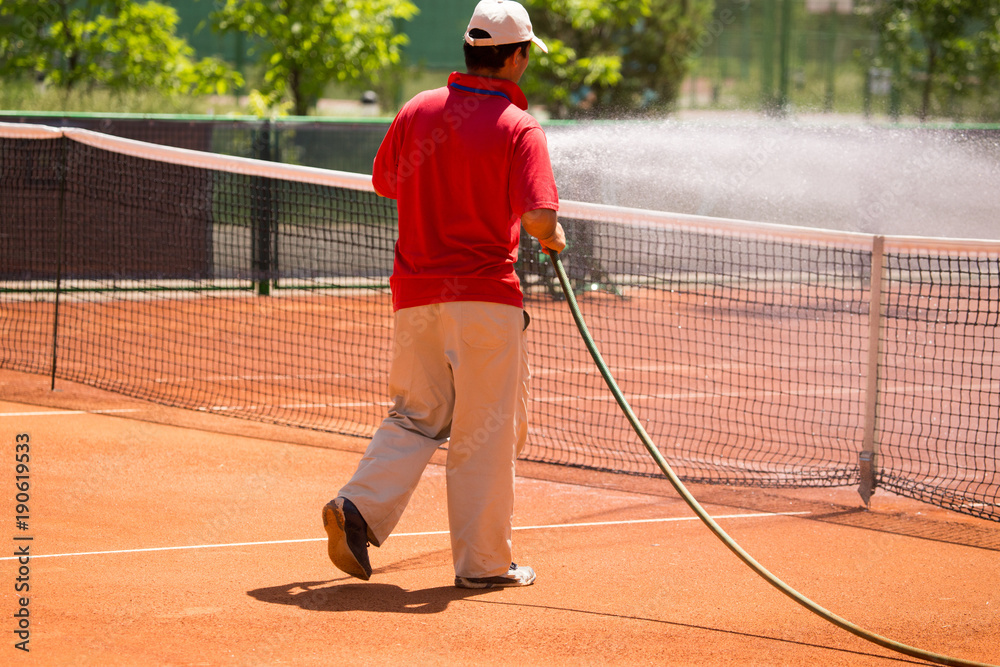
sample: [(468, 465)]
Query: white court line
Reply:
[(606, 397), (422, 534), (293, 406), (50, 413), (602, 397)]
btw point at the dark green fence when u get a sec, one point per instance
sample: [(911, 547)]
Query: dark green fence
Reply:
[(340, 145)]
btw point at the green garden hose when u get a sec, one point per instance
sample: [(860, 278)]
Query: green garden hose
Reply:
[(710, 522)]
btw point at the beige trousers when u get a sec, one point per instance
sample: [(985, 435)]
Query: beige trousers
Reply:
[(459, 376)]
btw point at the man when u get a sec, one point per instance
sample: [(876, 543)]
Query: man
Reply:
[(468, 166)]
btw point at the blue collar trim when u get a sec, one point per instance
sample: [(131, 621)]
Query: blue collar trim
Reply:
[(481, 91)]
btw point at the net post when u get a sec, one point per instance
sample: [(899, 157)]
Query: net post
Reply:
[(868, 457), (60, 242)]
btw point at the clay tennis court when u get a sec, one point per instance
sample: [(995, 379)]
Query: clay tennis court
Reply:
[(166, 536), (764, 387), (161, 535)]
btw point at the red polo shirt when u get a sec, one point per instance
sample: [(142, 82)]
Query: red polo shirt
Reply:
[(464, 163)]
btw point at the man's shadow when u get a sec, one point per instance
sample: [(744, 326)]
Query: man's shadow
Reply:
[(336, 596)]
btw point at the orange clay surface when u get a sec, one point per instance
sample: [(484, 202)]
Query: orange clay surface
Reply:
[(169, 537)]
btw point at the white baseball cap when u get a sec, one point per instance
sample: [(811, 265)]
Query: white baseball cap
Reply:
[(506, 22)]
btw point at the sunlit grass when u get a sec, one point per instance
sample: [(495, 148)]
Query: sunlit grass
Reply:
[(29, 96)]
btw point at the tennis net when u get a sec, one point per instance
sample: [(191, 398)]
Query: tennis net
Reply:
[(755, 354)]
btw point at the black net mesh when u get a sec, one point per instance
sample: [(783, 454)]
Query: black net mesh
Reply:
[(744, 351)]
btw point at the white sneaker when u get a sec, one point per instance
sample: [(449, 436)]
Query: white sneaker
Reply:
[(516, 576)]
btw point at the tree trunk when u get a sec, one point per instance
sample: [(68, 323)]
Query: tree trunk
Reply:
[(301, 104), (70, 61), (925, 97)]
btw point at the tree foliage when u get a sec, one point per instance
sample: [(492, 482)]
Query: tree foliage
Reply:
[(614, 57), (306, 44), (116, 44), (943, 50)]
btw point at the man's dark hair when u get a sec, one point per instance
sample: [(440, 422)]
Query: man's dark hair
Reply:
[(489, 57)]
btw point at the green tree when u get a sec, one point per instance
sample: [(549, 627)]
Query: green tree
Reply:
[(116, 44), (616, 57), (306, 44), (938, 48)]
